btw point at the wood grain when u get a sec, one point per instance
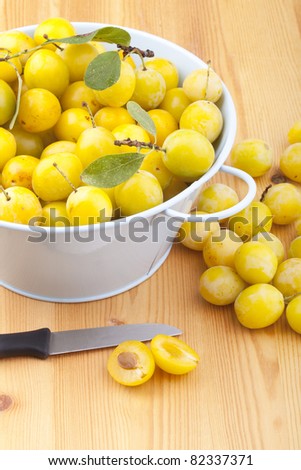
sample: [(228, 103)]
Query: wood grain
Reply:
[(246, 391)]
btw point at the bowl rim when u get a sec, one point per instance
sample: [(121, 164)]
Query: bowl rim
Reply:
[(160, 208)]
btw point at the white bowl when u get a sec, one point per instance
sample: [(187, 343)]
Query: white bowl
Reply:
[(86, 263)]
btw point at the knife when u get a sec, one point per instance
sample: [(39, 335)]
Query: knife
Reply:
[(43, 343)]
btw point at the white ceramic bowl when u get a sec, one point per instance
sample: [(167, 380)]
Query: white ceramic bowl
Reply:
[(85, 263)]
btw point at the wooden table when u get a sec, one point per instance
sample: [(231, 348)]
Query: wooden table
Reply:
[(246, 391)]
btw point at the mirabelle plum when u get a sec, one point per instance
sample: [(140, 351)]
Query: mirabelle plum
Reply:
[(295, 248), (253, 156), (45, 69), (153, 163), (217, 197), (220, 285), (290, 162), (220, 248), (133, 132), (98, 45), (140, 192), (78, 93), (175, 101), (77, 58), (53, 28), (72, 123), (188, 154), (121, 92), (110, 118), (48, 182), (194, 235), (173, 355), (293, 314), (149, 89), (58, 147), (89, 205), (7, 102), (259, 306), (8, 68), (129, 59), (288, 277), (294, 134), (17, 41), (19, 205), (18, 171), (255, 262), (8, 146), (131, 363), (167, 69), (203, 84), (39, 110), (204, 117), (111, 193), (256, 217), (284, 201), (54, 214), (273, 242), (165, 124), (95, 143)]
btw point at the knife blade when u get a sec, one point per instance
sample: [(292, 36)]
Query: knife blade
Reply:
[(42, 343)]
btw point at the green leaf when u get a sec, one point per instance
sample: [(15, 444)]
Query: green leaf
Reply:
[(103, 71), (76, 39), (108, 171), (109, 34), (113, 35), (141, 116)]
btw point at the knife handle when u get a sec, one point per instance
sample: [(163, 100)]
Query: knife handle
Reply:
[(28, 343)]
